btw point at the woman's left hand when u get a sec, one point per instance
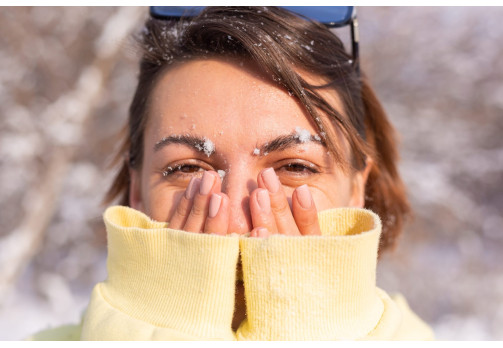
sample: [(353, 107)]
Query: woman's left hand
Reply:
[(271, 212)]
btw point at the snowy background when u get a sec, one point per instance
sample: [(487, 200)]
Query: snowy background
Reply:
[(67, 76)]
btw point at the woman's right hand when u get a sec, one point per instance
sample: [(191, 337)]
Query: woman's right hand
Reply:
[(203, 207)]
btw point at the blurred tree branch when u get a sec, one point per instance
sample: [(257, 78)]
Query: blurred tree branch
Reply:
[(67, 118)]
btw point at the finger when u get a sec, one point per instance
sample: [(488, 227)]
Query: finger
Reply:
[(260, 210), (304, 212), (260, 232), (183, 208), (210, 183), (217, 221), (283, 217)]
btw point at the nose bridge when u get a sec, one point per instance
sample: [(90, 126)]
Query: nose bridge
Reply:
[(238, 183)]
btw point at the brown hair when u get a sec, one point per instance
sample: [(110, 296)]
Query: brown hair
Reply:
[(282, 44)]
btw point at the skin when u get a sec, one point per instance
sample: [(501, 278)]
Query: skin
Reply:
[(239, 109)]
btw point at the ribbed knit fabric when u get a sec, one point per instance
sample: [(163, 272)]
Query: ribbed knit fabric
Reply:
[(180, 283), (167, 284), (311, 287)]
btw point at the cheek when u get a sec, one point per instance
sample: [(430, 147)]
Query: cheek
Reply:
[(161, 202), (335, 194), (325, 201)]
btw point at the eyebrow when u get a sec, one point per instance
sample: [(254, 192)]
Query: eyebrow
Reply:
[(284, 142), (280, 143), (185, 139)]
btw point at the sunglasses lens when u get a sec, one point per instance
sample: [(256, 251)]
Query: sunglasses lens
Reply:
[(165, 12), (332, 16)]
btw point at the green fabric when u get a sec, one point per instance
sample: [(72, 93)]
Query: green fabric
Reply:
[(61, 333)]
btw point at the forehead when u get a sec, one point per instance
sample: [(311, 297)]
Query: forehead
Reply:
[(223, 97)]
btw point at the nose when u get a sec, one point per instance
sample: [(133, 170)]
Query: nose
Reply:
[(238, 185)]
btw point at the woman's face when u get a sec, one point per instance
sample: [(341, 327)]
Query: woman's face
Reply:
[(227, 117)]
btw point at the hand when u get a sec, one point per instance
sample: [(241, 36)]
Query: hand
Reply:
[(203, 208), (271, 212)]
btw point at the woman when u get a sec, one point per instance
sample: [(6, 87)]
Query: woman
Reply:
[(253, 146)]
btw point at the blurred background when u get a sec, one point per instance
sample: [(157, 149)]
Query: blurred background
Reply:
[(67, 76)]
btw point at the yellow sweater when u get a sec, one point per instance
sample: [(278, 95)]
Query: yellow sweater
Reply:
[(166, 284)]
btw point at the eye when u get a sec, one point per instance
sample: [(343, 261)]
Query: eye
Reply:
[(298, 168), (295, 167), (181, 169)]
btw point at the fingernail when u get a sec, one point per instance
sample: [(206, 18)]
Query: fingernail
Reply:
[(270, 180), (263, 201), (262, 232), (215, 201), (206, 183), (304, 196), (192, 188)]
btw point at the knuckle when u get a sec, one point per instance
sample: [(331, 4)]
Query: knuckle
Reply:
[(181, 209), (208, 227), (197, 210), (280, 207), (307, 223)]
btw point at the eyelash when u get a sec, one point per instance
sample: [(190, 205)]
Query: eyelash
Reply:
[(310, 168), (178, 170)]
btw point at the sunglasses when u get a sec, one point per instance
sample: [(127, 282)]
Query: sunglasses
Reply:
[(330, 16)]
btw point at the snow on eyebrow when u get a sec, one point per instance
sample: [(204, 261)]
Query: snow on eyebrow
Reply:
[(302, 134), (208, 147), (201, 144), (283, 142)]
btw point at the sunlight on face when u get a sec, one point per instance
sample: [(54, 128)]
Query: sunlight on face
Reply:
[(228, 117)]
